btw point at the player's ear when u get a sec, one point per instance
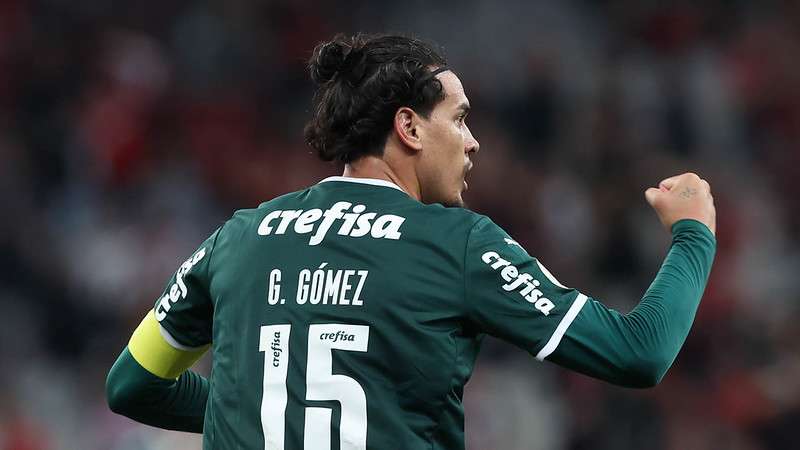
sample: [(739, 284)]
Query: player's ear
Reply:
[(407, 127)]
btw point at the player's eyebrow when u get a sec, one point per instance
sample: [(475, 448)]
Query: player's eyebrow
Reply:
[(463, 107)]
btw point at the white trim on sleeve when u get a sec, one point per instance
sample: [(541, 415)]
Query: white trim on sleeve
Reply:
[(174, 343), (566, 321)]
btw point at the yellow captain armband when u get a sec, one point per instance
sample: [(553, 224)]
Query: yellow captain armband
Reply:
[(152, 351)]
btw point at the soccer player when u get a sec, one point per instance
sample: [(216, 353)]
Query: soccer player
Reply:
[(348, 315)]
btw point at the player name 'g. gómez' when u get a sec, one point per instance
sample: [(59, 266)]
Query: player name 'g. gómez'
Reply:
[(317, 222)]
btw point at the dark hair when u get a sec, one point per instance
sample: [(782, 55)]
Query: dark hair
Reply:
[(361, 82)]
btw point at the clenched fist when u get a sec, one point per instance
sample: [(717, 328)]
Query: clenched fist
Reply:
[(684, 196)]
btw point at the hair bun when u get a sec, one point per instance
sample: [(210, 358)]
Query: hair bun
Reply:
[(328, 58)]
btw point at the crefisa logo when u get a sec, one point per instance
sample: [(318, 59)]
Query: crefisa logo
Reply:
[(354, 223), (524, 283)]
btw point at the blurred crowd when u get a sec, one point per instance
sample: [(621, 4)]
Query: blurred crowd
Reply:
[(130, 130)]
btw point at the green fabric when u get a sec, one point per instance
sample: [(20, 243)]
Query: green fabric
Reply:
[(637, 349), (170, 404), (348, 307), (418, 277), (507, 292), (186, 297), (391, 264)]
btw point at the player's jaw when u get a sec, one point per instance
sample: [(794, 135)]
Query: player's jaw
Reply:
[(458, 186)]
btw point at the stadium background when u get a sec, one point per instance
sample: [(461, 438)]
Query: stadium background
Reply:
[(130, 130)]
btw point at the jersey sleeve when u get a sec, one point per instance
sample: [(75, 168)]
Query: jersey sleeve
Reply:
[(184, 310), (512, 296), (636, 349)]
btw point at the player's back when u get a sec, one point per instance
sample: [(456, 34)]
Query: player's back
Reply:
[(338, 319)]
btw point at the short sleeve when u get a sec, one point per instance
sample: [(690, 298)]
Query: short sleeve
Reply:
[(184, 310), (512, 296)]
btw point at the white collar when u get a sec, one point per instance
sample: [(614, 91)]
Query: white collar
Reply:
[(370, 181)]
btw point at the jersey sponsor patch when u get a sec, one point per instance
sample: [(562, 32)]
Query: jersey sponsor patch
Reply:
[(317, 222), (523, 283), (178, 290)]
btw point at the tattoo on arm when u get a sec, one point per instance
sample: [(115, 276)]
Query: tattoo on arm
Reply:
[(688, 192)]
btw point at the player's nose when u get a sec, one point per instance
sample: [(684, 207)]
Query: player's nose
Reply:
[(471, 144)]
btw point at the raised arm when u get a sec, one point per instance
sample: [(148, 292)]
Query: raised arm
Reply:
[(512, 296), (637, 349)]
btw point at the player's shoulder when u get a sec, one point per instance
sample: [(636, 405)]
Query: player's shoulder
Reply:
[(455, 218), (461, 219), (437, 225), (246, 218), (486, 234)]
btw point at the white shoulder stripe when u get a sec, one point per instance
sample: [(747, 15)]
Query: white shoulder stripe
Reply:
[(370, 181), (566, 321), (172, 342)]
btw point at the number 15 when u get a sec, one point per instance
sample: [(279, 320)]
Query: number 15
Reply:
[(321, 384)]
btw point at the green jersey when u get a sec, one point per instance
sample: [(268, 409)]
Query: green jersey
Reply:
[(349, 316)]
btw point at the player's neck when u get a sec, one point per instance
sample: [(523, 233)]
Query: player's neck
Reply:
[(378, 169)]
